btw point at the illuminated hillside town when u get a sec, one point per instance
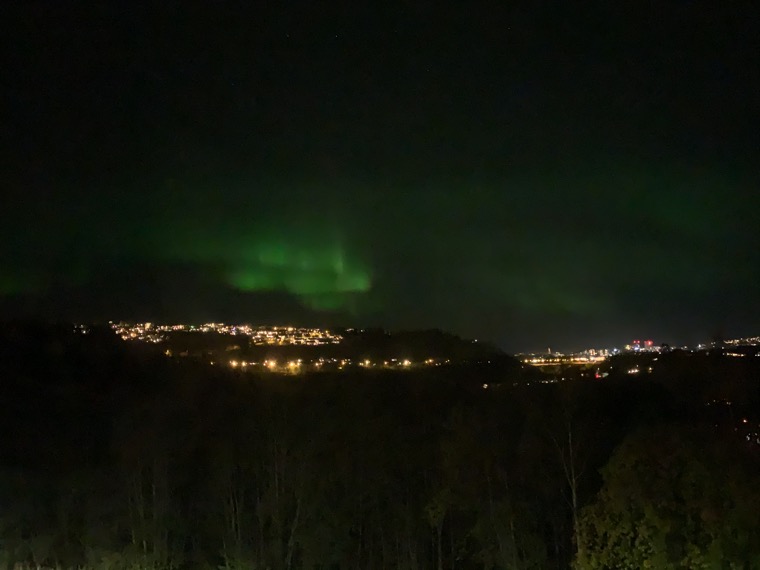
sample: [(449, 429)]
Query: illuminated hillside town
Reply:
[(281, 349), (262, 335)]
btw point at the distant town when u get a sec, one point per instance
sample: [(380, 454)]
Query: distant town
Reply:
[(263, 335), (635, 347), (293, 349)]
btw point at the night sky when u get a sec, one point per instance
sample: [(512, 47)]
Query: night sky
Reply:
[(537, 176)]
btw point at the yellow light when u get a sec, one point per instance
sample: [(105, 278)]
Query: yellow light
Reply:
[(233, 363)]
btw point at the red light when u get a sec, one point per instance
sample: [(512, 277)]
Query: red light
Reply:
[(649, 343), (636, 342)]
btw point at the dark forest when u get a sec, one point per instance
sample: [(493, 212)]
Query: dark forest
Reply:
[(117, 457)]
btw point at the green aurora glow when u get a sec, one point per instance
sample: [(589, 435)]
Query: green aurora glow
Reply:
[(321, 278), (308, 264), (457, 258)]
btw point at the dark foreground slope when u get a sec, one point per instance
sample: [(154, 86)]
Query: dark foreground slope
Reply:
[(114, 456)]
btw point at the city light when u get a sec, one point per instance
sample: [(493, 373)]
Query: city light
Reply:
[(261, 335)]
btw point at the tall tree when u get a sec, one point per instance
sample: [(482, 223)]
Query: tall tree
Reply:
[(675, 497)]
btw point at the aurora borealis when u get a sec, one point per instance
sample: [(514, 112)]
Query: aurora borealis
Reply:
[(524, 177)]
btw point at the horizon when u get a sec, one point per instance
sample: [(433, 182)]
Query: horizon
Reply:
[(601, 345)]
